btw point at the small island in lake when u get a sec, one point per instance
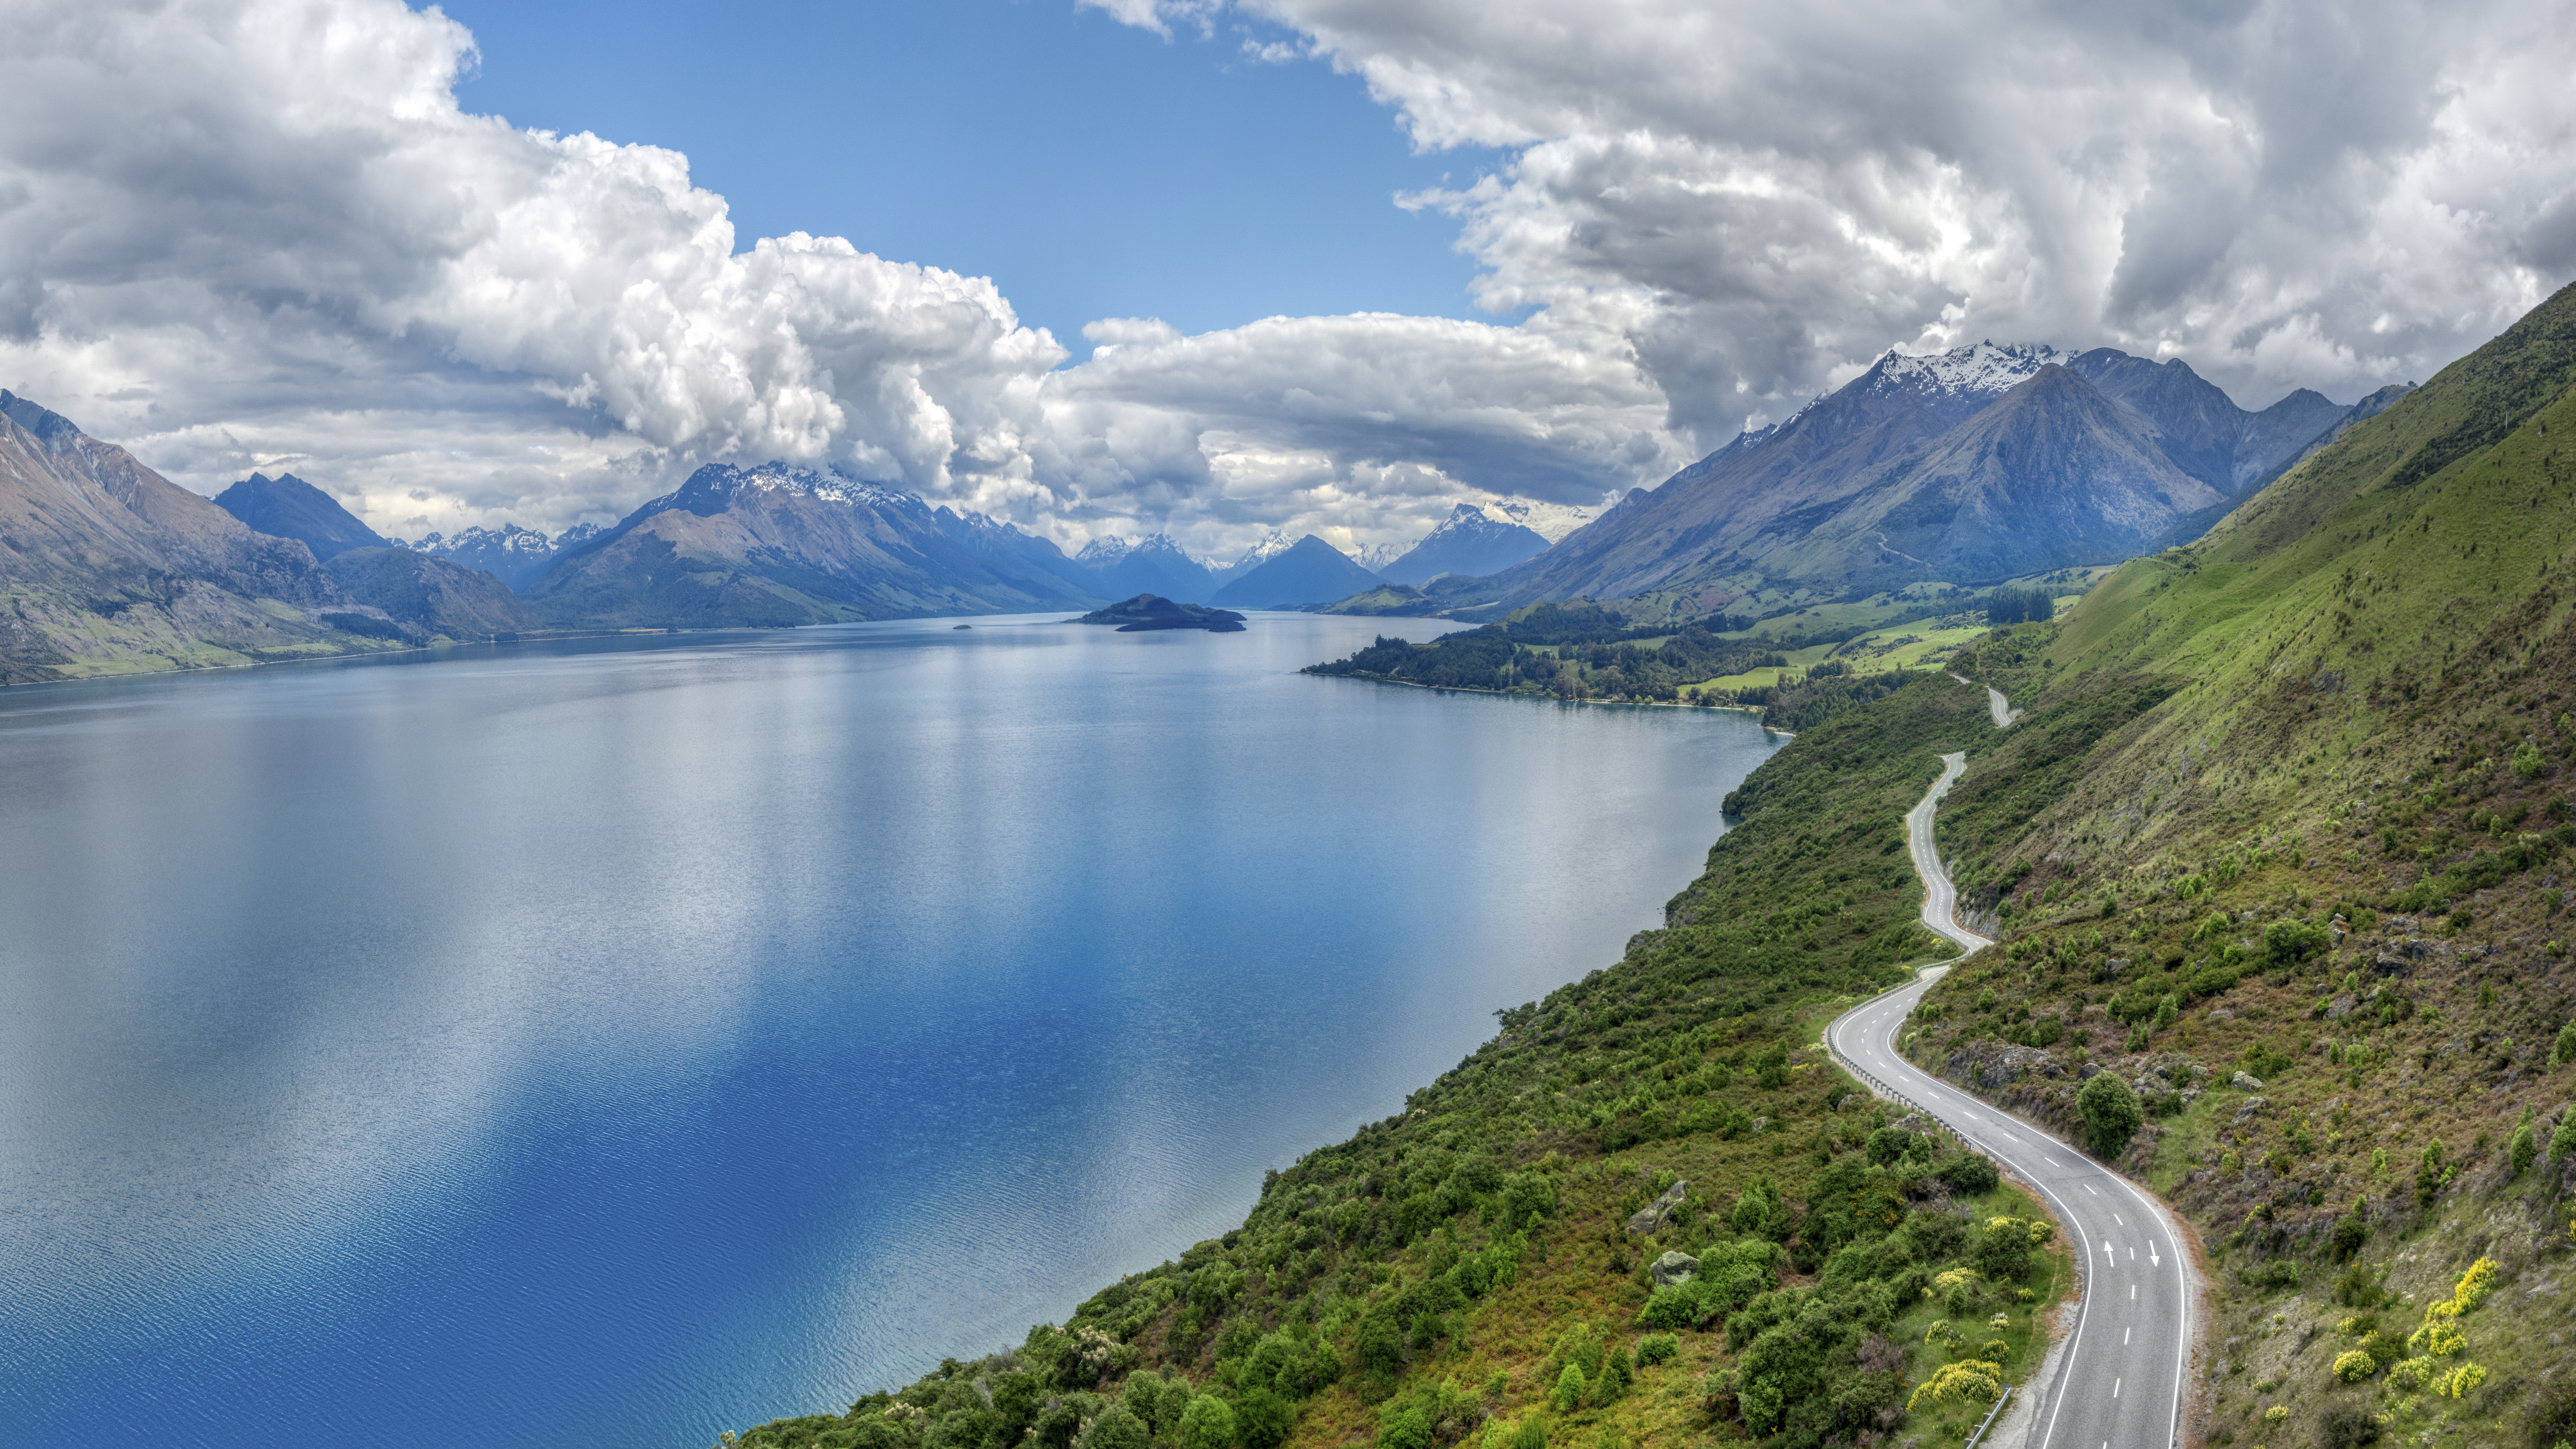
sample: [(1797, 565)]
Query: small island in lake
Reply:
[(1152, 611)]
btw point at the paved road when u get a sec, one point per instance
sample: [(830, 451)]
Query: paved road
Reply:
[(2118, 1381), (2001, 707)]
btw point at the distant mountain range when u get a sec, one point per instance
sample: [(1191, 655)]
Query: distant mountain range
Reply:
[(514, 555), (1968, 466), (1122, 568), (779, 544), (106, 567), (1964, 466)]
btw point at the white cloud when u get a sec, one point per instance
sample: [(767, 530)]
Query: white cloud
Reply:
[(261, 233), (2305, 193)]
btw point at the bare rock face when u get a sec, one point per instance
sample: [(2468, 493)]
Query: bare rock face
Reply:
[(1653, 1215), (1675, 1267)]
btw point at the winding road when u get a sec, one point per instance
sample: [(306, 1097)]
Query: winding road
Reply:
[(2117, 1381)]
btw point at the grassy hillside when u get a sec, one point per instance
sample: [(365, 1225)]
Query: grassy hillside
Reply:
[(2282, 845), (1469, 1270)]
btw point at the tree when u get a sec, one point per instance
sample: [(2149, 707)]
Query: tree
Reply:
[(1115, 1429), (2110, 1111), (1569, 1389), (1208, 1423), (1263, 1418)]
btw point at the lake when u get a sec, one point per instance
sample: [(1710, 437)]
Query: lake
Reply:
[(606, 1043)]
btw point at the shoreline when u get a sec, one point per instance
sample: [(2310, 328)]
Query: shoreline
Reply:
[(1513, 694)]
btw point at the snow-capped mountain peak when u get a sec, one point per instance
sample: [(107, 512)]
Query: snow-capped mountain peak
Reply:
[(1982, 369), (780, 476), (1272, 544), (1550, 521)]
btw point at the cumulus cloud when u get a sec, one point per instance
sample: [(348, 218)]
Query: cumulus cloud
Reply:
[(2283, 192), (262, 233)]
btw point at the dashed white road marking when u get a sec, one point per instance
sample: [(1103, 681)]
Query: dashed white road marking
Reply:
[(2115, 1217), (2089, 1192), (2124, 1333), (2115, 1388)]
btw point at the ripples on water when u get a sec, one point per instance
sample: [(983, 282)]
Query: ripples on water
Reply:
[(607, 1044)]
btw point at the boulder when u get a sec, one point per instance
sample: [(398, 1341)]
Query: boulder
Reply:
[(1651, 1217), (1675, 1267), (2245, 1082)]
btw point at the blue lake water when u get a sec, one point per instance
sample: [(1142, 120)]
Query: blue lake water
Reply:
[(606, 1044)]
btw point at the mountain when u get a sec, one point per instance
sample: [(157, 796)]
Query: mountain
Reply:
[(1800, 503), (1471, 541), (1309, 571), (434, 596), (1272, 544), (288, 507), (106, 567), (517, 556), (780, 545), (1122, 567)]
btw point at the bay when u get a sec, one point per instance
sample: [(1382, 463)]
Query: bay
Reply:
[(609, 1043)]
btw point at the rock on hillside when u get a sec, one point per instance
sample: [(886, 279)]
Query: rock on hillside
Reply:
[(106, 567), (780, 545)]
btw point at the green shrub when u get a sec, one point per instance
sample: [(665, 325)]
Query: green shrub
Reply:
[(2110, 1111), (1657, 1348), (2348, 1426), (1208, 1423), (1569, 1389)]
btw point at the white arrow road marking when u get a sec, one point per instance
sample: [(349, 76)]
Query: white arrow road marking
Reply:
[(2152, 1260), (2106, 1251)]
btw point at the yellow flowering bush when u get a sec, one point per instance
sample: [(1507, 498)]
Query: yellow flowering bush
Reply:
[(1970, 1379), (2275, 1414), (2459, 1383), (2410, 1375), (2438, 1339), (2353, 1367), (2468, 1293)]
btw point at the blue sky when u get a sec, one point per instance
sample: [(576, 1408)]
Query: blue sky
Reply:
[(1090, 168)]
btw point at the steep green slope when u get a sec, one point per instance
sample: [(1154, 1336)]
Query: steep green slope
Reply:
[(2281, 846), (1467, 1270)]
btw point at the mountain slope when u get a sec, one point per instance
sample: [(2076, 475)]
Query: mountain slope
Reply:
[(106, 567), (1122, 568), (2053, 473), (1309, 571), (438, 597), (1471, 541), (778, 545), (288, 507), (2279, 845), (1793, 506)]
